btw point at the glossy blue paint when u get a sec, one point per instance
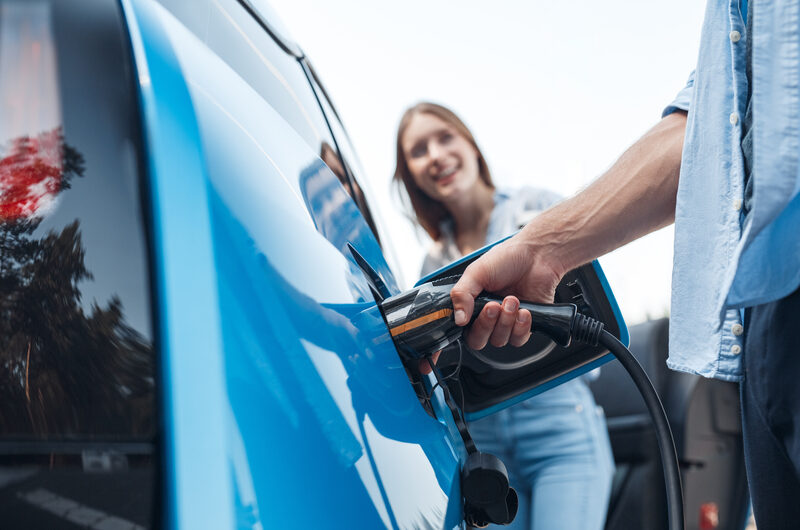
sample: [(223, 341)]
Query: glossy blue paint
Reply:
[(286, 394), (198, 486), (339, 220)]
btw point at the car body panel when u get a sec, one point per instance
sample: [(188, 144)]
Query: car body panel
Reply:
[(211, 236), (196, 495), (286, 400)]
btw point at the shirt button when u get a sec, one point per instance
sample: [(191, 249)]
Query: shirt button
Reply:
[(735, 36), (734, 118), (736, 349), (737, 204), (737, 329)]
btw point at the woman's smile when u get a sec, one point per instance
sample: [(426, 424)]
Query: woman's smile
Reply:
[(445, 176), (441, 161)]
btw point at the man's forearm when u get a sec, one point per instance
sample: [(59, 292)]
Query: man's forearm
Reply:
[(634, 197)]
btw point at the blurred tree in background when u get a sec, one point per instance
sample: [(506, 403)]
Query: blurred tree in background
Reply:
[(63, 372)]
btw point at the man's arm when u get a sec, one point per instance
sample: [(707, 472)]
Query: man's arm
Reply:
[(634, 197)]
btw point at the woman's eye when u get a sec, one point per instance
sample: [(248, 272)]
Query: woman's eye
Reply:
[(446, 138), (417, 151)]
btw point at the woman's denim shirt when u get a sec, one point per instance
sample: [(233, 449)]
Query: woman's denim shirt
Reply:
[(724, 261)]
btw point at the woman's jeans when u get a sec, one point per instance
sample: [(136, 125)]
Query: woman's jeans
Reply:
[(556, 449)]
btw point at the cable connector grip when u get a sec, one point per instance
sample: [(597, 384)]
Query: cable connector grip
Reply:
[(587, 330)]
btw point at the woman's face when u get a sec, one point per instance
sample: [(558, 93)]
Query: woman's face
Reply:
[(442, 162)]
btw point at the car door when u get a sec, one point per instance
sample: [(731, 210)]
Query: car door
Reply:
[(280, 375), (224, 362), (307, 418)]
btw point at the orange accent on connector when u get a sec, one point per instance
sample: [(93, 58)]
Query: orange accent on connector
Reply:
[(421, 321)]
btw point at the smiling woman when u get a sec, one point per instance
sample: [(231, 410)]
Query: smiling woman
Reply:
[(555, 444), (436, 157), (440, 159), (555, 89)]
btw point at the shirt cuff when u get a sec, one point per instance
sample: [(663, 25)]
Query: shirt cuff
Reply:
[(683, 99)]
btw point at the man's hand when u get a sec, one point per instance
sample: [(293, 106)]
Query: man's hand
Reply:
[(634, 197), (514, 266)]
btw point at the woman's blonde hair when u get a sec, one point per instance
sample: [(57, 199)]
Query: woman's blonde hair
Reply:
[(428, 212)]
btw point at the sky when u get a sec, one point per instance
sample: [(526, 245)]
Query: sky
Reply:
[(554, 92)]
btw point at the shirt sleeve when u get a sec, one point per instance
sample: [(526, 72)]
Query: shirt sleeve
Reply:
[(683, 99), (529, 198)]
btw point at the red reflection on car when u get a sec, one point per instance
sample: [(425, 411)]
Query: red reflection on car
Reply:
[(30, 175), (709, 516)]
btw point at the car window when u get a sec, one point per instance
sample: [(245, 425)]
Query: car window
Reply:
[(273, 24), (239, 40), (78, 385), (77, 339), (362, 194), (238, 37)]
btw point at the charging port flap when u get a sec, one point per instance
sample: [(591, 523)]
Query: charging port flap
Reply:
[(495, 378)]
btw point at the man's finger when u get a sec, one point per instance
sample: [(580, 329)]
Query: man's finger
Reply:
[(522, 329), (480, 330), (505, 322)]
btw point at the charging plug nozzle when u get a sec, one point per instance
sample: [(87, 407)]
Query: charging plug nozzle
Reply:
[(421, 320)]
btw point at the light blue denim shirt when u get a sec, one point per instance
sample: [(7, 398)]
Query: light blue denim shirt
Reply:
[(722, 264), (512, 210)]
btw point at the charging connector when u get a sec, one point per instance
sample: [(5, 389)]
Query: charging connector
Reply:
[(421, 322)]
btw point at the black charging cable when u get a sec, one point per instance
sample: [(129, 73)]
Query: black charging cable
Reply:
[(563, 324), (488, 495), (458, 415), (420, 322), (590, 331)]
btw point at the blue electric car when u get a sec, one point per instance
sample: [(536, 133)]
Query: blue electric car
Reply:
[(187, 339)]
